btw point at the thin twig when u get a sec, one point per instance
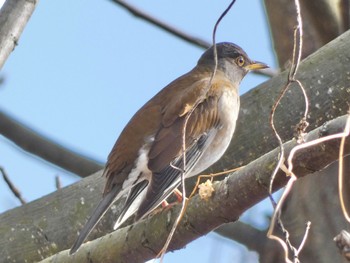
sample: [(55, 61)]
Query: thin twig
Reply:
[(341, 171), (12, 187), (308, 225), (158, 23), (278, 137), (199, 100), (58, 182), (290, 183), (179, 33), (299, 147), (301, 127), (275, 218), (214, 38), (183, 192), (298, 38)]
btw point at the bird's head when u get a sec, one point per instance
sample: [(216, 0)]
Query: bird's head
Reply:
[(232, 60)]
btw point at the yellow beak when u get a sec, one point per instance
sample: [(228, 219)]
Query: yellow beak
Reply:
[(256, 65)]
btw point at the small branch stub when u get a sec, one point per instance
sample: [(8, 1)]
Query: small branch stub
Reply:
[(342, 241)]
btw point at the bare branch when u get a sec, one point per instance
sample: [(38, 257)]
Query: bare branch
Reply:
[(324, 20), (178, 33), (35, 143), (158, 23), (341, 179), (245, 234), (14, 16), (12, 187), (203, 216), (328, 18), (254, 239), (58, 182), (342, 240)]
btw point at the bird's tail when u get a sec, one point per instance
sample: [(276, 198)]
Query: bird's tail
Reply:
[(132, 203), (99, 211)]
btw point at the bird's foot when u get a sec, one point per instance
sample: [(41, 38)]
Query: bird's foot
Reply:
[(179, 197)]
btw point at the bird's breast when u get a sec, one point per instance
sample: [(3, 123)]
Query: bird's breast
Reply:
[(228, 109)]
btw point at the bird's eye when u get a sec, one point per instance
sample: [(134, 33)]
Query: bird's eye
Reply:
[(240, 61)]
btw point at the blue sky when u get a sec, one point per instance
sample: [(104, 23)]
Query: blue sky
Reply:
[(83, 68)]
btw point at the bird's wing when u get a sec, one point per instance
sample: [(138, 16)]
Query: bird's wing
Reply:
[(126, 149), (163, 108), (166, 157)]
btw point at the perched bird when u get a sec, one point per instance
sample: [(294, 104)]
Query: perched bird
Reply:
[(146, 161)]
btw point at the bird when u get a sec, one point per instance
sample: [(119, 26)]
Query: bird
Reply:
[(197, 111)]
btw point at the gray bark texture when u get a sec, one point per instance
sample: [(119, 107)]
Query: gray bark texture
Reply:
[(14, 16)]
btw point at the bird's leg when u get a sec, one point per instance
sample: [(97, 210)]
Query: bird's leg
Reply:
[(178, 193), (165, 203), (179, 197)]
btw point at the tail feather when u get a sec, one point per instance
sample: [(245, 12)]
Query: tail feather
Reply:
[(132, 203), (99, 211)]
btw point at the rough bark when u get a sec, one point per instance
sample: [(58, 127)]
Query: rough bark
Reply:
[(50, 224), (238, 192)]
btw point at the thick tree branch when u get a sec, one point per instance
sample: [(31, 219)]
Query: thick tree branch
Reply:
[(238, 192), (254, 239), (14, 16), (245, 234), (323, 20), (50, 151), (327, 17), (54, 220)]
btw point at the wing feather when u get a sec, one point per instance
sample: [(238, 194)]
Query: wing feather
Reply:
[(166, 158)]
